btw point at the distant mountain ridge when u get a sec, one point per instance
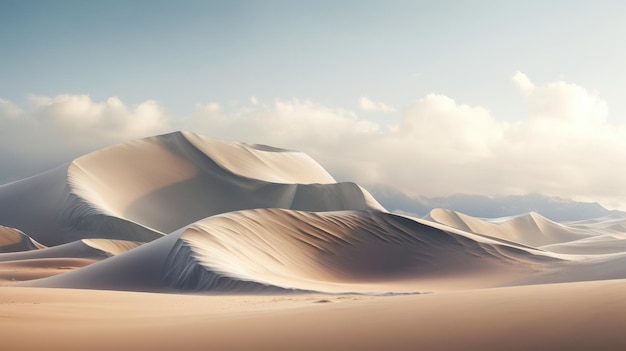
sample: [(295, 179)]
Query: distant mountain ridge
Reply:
[(554, 208)]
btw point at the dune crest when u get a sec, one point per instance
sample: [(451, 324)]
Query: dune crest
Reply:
[(12, 240), (43, 262), (279, 250), (144, 189), (530, 229), (261, 162), (175, 179)]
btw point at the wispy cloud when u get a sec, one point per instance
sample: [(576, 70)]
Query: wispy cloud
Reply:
[(368, 105)]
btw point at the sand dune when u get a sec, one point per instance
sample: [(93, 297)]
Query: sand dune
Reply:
[(87, 248), (12, 240), (225, 218), (333, 252), (531, 229), (13, 272), (278, 250), (42, 262), (589, 237), (143, 189), (247, 218)]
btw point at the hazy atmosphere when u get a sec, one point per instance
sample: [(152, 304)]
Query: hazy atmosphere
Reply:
[(432, 98)]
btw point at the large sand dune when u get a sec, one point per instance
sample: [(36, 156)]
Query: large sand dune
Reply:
[(340, 251), (184, 213), (146, 188)]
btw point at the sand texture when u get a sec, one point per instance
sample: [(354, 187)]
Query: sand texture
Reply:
[(181, 239)]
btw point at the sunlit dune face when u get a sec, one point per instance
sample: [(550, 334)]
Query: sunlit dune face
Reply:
[(262, 162), (114, 178), (9, 236)]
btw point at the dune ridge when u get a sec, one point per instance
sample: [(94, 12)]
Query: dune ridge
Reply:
[(144, 189), (204, 181), (333, 250), (279, 250), (530, 229), (41, 262), (87, 248), (12, 240), (226, 217)]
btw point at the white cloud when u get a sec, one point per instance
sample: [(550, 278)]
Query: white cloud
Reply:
[(53, 130), (254, 100), (79, 116), (523, 82), (457, 129), (368, 105), (562, 108), (565, 147), (9, 110)]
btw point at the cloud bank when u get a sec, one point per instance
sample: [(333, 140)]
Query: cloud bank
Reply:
[(566, 145), (52, 131)]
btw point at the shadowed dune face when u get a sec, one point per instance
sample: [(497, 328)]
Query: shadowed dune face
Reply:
[(13, 272), (34, 205), (331, 251), (279, 250)]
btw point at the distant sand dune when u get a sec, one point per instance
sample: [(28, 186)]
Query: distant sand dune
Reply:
[(88, 248), (12, 240), (12, 272), (531, 229), (41, 262)]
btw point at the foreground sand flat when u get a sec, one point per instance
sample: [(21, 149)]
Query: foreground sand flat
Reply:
[(573, 316)]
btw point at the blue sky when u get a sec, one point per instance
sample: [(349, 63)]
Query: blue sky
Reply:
[(183, 53), (222, 68)]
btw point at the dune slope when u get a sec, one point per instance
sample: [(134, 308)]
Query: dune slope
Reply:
[(286, 250), (12, 240), (43, 262), (530, 229), (143, 189)]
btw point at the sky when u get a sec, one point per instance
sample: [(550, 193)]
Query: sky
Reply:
[(431, 97)]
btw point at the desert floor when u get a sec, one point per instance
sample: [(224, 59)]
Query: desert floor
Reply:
[(572, 316)]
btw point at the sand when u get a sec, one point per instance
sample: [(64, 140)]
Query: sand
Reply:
[(181, 240), (572, 316)]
